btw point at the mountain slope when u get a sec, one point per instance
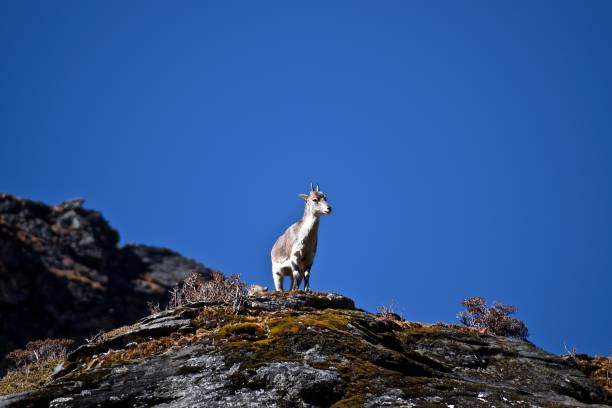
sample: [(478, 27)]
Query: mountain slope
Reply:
[(307, 350)]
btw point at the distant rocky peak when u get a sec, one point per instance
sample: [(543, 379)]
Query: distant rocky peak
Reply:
[(63, 273)]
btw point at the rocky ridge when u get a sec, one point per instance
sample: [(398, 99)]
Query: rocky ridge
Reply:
[(307, 350), (63, 273)]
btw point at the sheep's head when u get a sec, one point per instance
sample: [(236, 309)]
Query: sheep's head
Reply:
[(316, 202)]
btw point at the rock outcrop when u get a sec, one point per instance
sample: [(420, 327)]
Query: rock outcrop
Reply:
[(63, 274), (307, 350)]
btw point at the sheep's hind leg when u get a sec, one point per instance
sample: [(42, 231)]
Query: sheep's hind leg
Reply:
[(292, 281)]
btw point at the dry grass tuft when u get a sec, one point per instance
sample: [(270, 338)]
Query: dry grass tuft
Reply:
[(230, 291), (597, 368), (27, 378), (33, 365)]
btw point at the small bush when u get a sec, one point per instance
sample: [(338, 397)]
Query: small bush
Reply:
[(495, 319), (40, 350), (33, 365), (195, 288), (597, 368), (388, 312)]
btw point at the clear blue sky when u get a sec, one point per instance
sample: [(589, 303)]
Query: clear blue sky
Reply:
[(465, 146)]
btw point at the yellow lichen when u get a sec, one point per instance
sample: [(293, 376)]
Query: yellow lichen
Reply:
[(247, 329), (329, 319), (353, 401), (284, 326), (116, 332)]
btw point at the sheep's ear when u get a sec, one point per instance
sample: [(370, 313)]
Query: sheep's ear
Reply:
[(303, 196)]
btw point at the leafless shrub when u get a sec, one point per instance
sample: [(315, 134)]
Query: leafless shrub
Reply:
[(96, 338), (153, 307), (195, 288), (570, 353), (389, 312), (495, 319), (40, 350)]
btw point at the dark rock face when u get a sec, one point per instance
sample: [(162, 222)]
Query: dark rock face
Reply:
[(62, 273), (292, 350)]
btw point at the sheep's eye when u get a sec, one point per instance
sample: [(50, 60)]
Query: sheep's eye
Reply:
[(316, 200)]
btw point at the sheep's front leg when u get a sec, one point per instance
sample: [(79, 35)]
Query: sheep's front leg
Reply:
[(297, 278), (307, 280)]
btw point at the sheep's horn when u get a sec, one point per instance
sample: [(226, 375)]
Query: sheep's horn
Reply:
[(317, 187), (311, 187)]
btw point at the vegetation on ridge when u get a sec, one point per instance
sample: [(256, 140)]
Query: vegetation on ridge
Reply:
[(252, 333), (33, 366), (597, 368), (494, 320), (194, 288)]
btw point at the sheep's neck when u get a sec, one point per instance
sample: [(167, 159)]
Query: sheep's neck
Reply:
[(309, 225)]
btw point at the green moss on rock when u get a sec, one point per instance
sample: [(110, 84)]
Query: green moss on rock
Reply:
[(248, 330)]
